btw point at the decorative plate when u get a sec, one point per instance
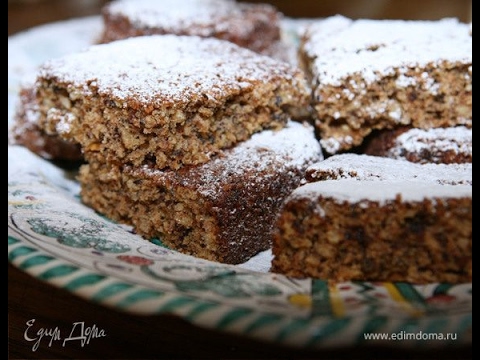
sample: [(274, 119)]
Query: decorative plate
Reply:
[(55, 238)]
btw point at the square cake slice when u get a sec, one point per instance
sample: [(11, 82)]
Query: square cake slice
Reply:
[(373, 221), (166, 100), (223, 210), (369, 75), (254, 26)]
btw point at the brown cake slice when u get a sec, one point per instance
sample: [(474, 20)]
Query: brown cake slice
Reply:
[(369, 75), (451, 145), (223, 210), (27, 132), (166, 100), (370, 222), (254, 26)]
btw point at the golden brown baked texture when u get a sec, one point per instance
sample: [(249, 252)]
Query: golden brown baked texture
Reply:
[(27, 132), (452, 145), (254, 26), (166, 100), (369, 75), (223, 210), (373, 221)]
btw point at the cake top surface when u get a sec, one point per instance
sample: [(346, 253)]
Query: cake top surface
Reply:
[(371, 168), (168, 70), (180, 15), (381, 192), (289, 149), (457, 139), (373, 48)]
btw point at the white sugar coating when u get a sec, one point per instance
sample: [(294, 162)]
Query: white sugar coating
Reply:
[(317, 30), (363, 193), (167, 68), (377, 48), (370, 168), (293, 147), (174, 16), (332, 145), (455, 139)]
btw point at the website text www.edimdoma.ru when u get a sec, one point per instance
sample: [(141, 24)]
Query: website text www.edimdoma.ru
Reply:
[(404, 335)]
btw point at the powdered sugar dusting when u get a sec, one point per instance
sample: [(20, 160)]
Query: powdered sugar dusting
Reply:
[(333, 145), (382, 192), (458, 140), (290, 149), (293, 148), (369, 168), (203, 16), (166, 68), (64, 125), (376, 48)]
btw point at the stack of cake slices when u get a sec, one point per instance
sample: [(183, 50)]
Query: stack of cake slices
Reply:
[(191, 140)]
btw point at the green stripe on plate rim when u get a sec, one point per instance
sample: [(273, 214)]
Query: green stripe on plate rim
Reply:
[(76, 280), (36, 260), (20, 251)]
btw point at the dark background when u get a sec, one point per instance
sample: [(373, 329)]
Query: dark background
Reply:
[(26, 13)]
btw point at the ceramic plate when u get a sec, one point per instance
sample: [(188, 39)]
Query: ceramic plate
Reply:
[(55, 238)]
